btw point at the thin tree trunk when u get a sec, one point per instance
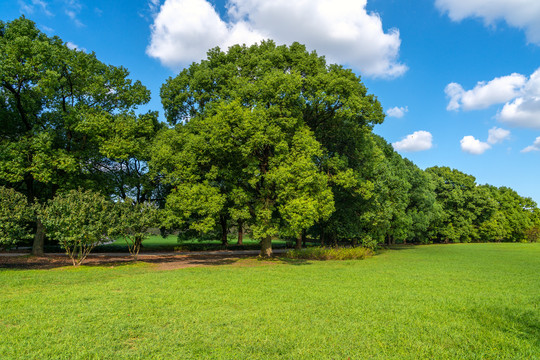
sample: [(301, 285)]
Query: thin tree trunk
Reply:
[(223, 221), (266, 247), (304, 238), (39, 239), (240, 232), (39, 236), (322, 235), (137, 247)]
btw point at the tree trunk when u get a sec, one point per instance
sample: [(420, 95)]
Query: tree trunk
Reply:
[(39, 239), (223, 221), (266, 247), (298, 242), (240, 232), (322, 235), (304, 238)]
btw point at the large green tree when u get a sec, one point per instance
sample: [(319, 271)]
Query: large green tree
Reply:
[(54, 104), (287, 82), (251, 103)]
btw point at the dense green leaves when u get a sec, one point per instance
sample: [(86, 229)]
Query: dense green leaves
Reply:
[(15, 216), (79, 220), (133, 220), (67, 119), (266, 138)]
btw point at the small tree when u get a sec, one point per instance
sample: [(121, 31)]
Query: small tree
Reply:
[(15, 216), (78, 220), (133, 222)]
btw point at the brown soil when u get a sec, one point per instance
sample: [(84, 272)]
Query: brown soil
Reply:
[(162, 262)]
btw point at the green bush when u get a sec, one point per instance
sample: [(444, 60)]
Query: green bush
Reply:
[(134, 221), (78, 220), (324, 253), (15, 217)]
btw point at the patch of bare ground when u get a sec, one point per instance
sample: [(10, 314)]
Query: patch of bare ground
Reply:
[(161, 262)]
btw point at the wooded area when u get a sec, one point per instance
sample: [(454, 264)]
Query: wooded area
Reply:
[(265, 139)]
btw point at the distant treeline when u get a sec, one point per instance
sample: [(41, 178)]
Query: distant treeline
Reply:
[(266, 139)]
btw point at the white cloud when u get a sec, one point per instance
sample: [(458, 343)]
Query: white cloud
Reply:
[(524, 111), (397, 112), (46, 28), (497, 135), (74, 46), (523, 14), (473, 146), (154, 5), (72, 10), (417, 141), (534, 147), (483, 95), (520, 95), (28, 8), (342, 30)]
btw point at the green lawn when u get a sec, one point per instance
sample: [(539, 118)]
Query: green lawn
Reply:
[(470, 301)]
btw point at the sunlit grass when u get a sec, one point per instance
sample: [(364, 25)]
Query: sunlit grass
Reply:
[(470, 301)]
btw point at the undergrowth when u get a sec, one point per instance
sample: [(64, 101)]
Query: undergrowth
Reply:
[(325, 253)]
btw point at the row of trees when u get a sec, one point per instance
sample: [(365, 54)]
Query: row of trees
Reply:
[(78, 219), (267, 139)]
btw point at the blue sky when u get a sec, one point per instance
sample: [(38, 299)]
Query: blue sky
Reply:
[(457, 78)]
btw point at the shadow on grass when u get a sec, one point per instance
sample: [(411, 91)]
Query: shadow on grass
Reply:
[(526, 323), (295, 262), (29, 262), (398, 247)]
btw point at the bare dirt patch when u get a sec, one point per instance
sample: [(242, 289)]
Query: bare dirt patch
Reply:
[(162, 262)]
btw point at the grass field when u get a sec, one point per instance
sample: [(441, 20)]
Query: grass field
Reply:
[(470, 301)]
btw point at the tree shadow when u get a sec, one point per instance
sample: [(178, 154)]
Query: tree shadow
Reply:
[(295, 262), (524, 323)]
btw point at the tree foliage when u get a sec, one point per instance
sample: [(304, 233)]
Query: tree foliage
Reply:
[(133, 220), (79, 220), (267, 138), (65, 116), (15, 217)]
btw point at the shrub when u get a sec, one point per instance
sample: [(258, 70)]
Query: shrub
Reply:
[(134, 221), (78, 220), (15, 217), (324, 253)]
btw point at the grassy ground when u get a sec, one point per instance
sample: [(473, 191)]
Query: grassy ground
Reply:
[(170, 243), (465, 301)]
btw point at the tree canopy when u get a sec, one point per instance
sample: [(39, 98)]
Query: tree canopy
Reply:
[(65, 116), (267, 139)]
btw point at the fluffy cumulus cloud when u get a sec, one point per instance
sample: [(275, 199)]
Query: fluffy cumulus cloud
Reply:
[(534, 147), (397, 112), (524, 110), (523, 14), (342, 30), (473, 146), (485, 94), (497, 135), (417, 141), (519, 94)]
